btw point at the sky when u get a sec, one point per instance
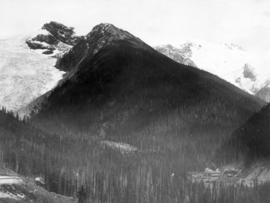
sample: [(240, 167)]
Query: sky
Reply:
[(243, 22)]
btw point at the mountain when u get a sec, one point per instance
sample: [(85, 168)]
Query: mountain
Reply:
[(132, 122), (28, 65), (119, 85), (228, 61), (125, 124), (99, 37)]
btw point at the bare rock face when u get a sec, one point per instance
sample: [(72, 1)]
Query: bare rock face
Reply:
[(55, 40), (62, 33), (248, 72), (178, 55), (49, 39)]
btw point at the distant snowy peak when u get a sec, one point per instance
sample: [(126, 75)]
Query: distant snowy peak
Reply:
[(53, 39), (228, 61)]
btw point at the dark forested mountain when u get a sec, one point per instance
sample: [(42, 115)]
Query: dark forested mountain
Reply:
[(119, 86), (251, 141)]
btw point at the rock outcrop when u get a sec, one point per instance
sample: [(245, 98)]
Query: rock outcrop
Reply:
[(178, 55), (55, 39)]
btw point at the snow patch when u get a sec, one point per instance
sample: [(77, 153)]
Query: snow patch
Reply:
[(228, 61), (119, 146)]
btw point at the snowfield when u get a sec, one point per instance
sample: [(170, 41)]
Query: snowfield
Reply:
[(25, 74), (228, 61)]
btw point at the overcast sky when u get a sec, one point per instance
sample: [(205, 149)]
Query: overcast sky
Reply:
[(245, 22)]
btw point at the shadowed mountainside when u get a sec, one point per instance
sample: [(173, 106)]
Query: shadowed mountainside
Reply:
[(121, 87), (250, 142)]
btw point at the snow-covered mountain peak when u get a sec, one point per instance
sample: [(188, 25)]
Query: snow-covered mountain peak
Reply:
[(226, 60)]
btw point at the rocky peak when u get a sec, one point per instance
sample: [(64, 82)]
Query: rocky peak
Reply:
[(54, 39), (101, 35), (62, 32), (110, 31), (104, 34), (181, 55)]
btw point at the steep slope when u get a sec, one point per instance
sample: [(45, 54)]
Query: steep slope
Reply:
[(99, 37), (121, 86), (251, 142), (28, 65), (25, 74), (228, 61)]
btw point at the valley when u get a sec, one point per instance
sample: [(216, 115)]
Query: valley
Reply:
[(125, 123)]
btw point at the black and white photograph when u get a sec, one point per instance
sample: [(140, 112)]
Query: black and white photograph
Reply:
[(134, 101)]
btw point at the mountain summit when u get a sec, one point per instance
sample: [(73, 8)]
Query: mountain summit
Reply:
[(101, 35)]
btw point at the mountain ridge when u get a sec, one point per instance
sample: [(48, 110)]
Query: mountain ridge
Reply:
[(111, 52), (228, 61), (102, 34)]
